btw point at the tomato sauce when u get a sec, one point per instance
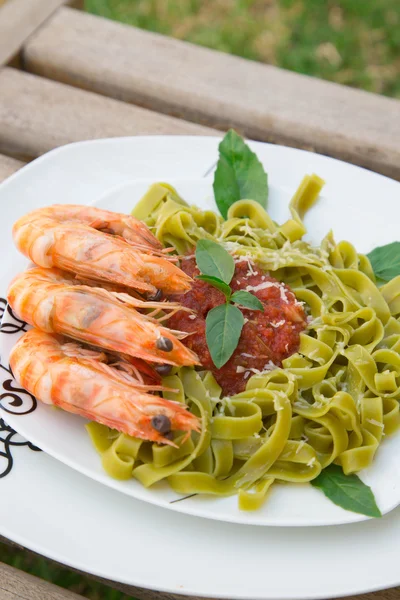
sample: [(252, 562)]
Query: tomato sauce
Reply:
[(267, 337)]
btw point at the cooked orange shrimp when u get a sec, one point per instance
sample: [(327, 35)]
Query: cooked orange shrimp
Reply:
[(89, 253), (126, 226), (48, 300), (61, 374)]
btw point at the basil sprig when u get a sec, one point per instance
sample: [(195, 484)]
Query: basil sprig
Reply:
[(385, 261), (347, 491), (247, 300), (224, 323), (217, 283), (239, 174), (214, 261)]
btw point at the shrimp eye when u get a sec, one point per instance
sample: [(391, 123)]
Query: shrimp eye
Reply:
[(165, 344), (161, 423), (163, 369), (155, 297)]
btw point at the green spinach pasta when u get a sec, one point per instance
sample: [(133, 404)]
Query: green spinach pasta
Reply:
[(332, 401)]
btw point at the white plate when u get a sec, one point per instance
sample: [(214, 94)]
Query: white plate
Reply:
[(56, 511), (63, 435)]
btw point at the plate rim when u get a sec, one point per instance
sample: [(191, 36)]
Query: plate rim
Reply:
[(344, 517), (72, 145)]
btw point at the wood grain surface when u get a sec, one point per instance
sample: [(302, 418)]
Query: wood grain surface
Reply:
[(20, 18), (217, 89), (37, 115), (8, 166), (17, 585)]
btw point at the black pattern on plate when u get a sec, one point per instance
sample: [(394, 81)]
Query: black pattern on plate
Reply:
[(13, 399), (10, 438), (13, 327)]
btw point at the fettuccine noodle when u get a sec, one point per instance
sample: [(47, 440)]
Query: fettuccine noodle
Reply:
[(332, 401)]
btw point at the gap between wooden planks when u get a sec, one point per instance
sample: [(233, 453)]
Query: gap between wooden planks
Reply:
[(19, 19), (17, 585), (37, 114), (217, 89), (8, 166)]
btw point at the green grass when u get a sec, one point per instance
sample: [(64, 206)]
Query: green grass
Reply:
[(355, 42), (46, 569)]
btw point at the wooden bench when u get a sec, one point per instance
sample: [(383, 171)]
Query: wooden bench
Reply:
[(67, 76)]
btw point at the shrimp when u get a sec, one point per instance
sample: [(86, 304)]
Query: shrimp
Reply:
[(68, 376), (94, 255), (107, 221), (48, 300)]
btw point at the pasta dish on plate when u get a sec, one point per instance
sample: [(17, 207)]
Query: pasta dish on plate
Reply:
[(223, 354)]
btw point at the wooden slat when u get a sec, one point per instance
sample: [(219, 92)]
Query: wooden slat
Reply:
[(17, 585), (8, 166), (220, 90), (37, 115), (19, 19)]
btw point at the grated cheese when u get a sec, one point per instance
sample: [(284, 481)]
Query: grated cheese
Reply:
[(284, 297), (270, 366), (375, 422), (300, 446), (277, 405), (269, 284), (299, 303), (278, 323), (246, 229), (238, 259)]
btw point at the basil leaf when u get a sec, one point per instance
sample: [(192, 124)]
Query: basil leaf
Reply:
[(223, 328), (385, 261), (213, 260), (347, 491), (247, 299), (239, 174), (217, 283)]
